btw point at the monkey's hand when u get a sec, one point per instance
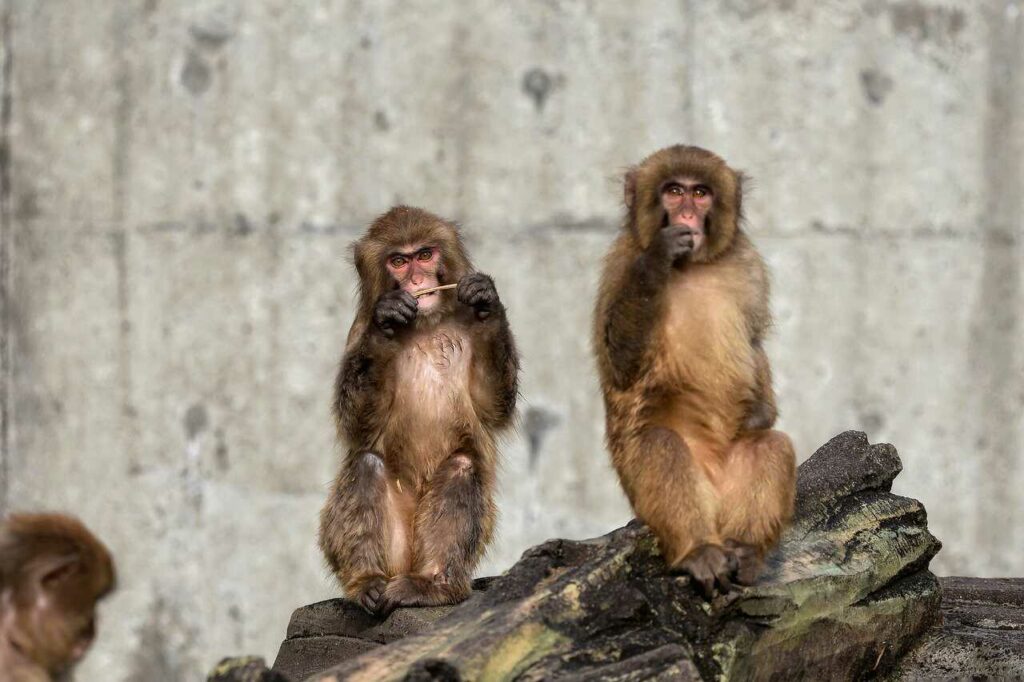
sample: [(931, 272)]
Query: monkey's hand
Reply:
[(477, 291), (673, 244), (760, 415), (394, 310)]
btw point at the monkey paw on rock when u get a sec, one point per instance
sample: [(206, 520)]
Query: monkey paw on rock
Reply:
[(372, 597), (722, 567)]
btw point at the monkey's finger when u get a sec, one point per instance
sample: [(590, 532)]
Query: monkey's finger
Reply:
[(482, 293), (462, 291), (406, 315), (385, 606)]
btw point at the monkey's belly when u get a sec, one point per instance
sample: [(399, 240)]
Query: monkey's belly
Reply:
[(432, 407), (707, 372)]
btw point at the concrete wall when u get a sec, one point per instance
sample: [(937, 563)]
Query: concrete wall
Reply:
[(180, 181)]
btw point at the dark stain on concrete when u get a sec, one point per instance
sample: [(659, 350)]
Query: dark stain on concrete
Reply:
[(211, 36), (196, 421), (381, 122), (220, 452), (924, 23), (537, 422), (154, 659), (876, 85), (195, 74), (538, 85), (216, 27), (242, 225)]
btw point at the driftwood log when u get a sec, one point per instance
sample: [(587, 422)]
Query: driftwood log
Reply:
[(846, 594)]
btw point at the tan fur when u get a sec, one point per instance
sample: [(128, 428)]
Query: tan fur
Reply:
[(677, 435)]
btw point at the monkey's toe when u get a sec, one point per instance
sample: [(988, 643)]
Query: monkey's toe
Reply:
[(708, 566), (746, 561), (374, 600)]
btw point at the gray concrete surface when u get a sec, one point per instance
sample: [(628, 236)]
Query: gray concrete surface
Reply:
[(180, 181)]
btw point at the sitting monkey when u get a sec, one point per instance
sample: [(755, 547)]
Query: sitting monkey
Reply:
[(681, 316), (427, 382)]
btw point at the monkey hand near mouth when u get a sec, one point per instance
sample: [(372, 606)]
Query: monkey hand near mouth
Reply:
[(672, 244), (477, 291), (394, 309)]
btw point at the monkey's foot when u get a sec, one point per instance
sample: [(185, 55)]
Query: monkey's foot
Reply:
[(746, 561), (708, 566), (371, 596), (422, 590)]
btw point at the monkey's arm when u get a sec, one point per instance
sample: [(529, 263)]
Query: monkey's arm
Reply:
[(761, 410), (630, 316), (495, 380), (358, 388)]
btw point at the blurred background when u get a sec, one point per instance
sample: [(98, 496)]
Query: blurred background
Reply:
[(181, 182)]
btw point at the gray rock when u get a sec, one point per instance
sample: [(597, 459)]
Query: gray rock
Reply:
[(845, 594), (982, 635)]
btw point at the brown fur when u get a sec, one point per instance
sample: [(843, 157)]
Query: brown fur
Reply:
[(686, 382), (418, 415), (52, 573)]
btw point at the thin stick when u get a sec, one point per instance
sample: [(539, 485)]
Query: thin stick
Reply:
[(424, 292)]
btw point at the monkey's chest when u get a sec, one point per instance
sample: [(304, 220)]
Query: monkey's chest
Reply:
[(432, 385), (706, 342)]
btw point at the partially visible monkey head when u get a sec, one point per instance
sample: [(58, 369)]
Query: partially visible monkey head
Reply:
[(686, 186), (411, 249), (52, 573)]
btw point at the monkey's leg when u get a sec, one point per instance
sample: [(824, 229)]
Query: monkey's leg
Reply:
[(364, 530), (757, 490), (454, 521), (671, 493)]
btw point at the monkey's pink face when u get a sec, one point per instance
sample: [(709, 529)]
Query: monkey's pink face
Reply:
[(415, 268), (687, 202)]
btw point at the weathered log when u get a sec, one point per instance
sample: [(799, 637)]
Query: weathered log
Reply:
[(982, 635), (844, 595)]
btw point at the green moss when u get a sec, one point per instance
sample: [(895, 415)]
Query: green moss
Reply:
[(520, 649)]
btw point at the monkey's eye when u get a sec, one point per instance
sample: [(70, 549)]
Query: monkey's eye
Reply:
[(701, 192), (675, 189), (425, 254), (398, 261)]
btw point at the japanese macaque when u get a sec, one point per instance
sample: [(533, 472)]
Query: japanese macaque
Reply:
[(426, 384), (681, 315), (52, 573)]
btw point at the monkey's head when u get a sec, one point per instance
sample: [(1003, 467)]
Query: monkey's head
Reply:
[(411, 249), (686, 186), (52, 573)]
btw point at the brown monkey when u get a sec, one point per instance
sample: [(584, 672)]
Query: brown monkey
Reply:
[(52, 573), (680, 319), (425, 385)]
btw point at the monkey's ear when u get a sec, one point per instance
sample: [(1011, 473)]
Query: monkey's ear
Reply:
[(55, 570), (629, 188)]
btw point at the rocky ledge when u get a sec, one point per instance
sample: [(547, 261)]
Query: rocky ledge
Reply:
[(846, 594)]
